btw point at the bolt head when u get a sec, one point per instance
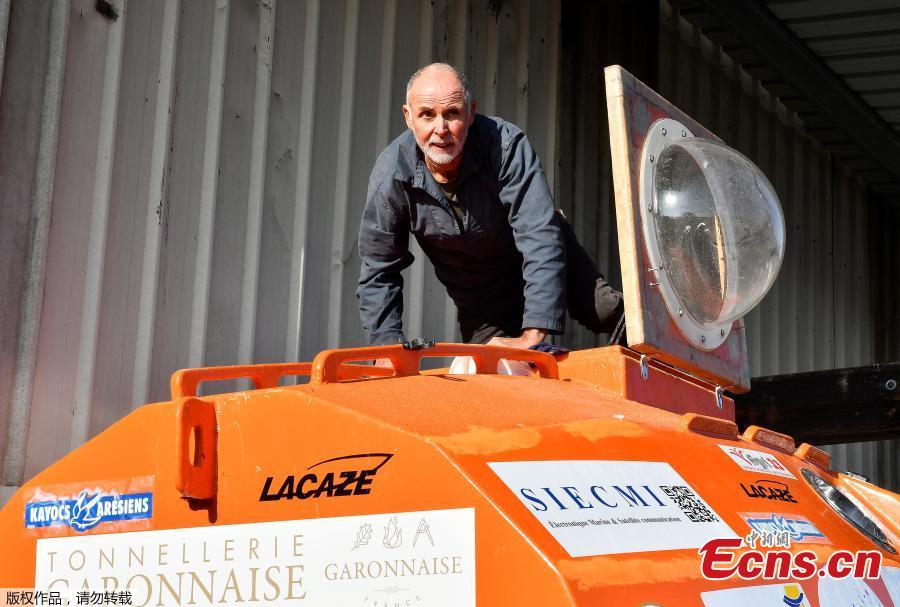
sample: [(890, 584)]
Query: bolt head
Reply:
[(652, 158), (703, 338), (664, 131), (891, 384)]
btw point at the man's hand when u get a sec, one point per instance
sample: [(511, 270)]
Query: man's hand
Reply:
[(384, 362), (528, 338)]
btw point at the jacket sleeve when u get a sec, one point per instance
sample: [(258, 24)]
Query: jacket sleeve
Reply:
[(384, 253), (533, 218)]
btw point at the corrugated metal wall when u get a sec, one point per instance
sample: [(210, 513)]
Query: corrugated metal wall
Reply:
[(594, 35), (821, 312), (210, 170), (885, 255), (34, 63), (182, 185)]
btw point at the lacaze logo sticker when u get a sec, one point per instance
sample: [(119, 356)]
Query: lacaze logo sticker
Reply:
[(770, 490), (336, 477)]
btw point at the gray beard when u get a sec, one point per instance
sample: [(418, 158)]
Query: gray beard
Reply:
[(438, 157)]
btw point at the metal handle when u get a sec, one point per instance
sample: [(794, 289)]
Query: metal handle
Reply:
[(327, 366)]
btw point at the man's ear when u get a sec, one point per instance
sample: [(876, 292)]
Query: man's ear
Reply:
[(407, 116), (472, 112)]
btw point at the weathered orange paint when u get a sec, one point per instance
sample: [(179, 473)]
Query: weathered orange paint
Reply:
[(443, 431), (618, 370)]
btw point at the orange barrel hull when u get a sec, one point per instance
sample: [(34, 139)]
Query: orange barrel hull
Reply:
[(432, 489)]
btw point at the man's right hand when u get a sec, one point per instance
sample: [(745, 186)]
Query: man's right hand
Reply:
[(384, 362)]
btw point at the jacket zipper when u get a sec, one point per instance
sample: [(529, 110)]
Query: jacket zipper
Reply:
[(456, 219)]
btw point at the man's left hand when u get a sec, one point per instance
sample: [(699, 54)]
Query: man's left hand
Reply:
[(528, 338)]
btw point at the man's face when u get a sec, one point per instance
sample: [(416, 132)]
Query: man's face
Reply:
[(437, 114)]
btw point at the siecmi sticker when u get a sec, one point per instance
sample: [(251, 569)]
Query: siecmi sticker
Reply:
[(613, 507)]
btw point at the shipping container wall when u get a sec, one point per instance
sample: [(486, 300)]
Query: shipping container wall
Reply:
[(595, 35), (821, 312), (182, 183), (884, 225), (33, 41), (199, 202)]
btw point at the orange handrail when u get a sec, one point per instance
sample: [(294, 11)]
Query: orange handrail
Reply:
[(327, 365), (332, 366), (185, 382)]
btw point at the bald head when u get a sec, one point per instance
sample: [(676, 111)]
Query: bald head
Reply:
[(439, 110), (437, 70)]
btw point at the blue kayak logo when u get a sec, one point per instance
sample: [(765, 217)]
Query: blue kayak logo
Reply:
[(87, 510)]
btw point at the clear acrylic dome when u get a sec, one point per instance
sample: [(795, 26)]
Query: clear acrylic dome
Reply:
[(719, 229)]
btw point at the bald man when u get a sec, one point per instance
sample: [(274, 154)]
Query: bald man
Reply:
[(472, 192)]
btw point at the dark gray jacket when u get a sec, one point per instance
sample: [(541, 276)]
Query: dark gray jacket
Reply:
[(507, 244)]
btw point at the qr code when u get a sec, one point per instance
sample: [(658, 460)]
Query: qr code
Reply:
[(690, 504)]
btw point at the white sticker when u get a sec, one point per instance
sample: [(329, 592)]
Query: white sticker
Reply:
[(846, 592), (756, 461), (610, 507), (891, 577), (409, 558), (796, 526), (785, 595)]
